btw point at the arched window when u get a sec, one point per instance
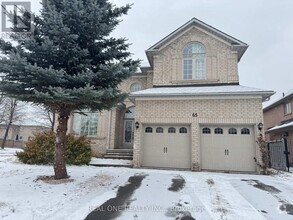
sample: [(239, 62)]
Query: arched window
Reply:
[(148, 130), (232, 131), (218, 131), (135, 87), (194, 61), (183, 130), (206, 131), (172, 130), (159, 130), (245, 131)]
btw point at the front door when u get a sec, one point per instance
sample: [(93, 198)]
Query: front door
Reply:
[(128, 133)]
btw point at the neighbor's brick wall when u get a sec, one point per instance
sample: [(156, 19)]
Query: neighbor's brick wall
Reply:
[(275, 115), (220, 110), (221, 61)]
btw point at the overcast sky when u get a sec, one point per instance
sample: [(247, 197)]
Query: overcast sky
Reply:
[(265, 25)]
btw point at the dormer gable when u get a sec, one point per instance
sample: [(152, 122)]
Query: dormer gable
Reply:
[(196, 53), (235, 44)]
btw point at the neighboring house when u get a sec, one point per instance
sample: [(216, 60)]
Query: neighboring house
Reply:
[(278, 120), (187, 109), (19, 134)]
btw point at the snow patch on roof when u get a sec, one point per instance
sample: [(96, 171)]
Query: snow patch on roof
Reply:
[(200, 90), (277, 127)]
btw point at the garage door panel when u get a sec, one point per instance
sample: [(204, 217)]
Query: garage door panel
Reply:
[(167, 149), (228, 151)]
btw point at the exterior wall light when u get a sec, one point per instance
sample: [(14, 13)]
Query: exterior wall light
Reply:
[(260, 126), (137, 125)]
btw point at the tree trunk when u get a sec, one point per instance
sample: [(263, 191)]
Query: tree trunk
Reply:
[(11, 109), (5, 135), (53, 121), (59, 163)]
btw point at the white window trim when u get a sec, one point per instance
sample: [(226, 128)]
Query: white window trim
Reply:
[(287, 108), (193, 58), (77, 127)]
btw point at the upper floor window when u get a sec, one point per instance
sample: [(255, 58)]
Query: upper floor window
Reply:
[(135, 87), (287, 108), (194, 61), (86, 124)]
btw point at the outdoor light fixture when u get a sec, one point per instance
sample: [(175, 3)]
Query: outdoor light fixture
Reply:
[(137, 125), (286, 134), (260, 126)]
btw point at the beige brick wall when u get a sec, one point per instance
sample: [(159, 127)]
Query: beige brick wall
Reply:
[(210, 110), (221, 61)]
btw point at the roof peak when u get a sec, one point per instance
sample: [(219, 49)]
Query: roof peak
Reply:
[(239, 45)]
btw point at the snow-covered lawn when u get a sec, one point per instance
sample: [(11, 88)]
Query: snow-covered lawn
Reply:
[(162, 194)]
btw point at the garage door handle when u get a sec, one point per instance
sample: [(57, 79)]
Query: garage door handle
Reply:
[(165, 150), (227, 152)]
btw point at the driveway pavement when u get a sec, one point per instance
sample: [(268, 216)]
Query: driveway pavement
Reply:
[(155, 194)]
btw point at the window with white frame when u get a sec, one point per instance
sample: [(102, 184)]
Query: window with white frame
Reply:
[(86, 123), (287, 108), (194, 61), (135, 87)]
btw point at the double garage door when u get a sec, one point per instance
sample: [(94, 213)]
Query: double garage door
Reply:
[(228, 148), (166, 146)]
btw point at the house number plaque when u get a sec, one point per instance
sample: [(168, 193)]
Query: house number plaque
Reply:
[(194, 115)]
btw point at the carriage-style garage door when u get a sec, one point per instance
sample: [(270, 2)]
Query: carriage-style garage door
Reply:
[(230, 148), (166, 146)]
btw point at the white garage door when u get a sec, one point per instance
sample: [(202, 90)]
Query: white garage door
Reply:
[(166, 146), (228, 148)]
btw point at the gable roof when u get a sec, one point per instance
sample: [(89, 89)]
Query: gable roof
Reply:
[(236, 44), (279, 101)]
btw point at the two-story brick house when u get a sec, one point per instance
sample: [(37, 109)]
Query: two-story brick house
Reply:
[(278, 120), (187, 109)]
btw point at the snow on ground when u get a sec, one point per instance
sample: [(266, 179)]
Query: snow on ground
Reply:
[(163, 194), (98, 161)]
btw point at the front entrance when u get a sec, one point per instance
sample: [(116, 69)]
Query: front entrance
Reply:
[(128, 128), (128, 133)]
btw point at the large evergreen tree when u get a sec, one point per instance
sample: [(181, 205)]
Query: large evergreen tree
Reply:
[(70, 63)]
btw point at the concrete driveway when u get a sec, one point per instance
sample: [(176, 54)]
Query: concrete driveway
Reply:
[(159, 194)]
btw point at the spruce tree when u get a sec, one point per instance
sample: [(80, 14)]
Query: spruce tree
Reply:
[(70, 63)]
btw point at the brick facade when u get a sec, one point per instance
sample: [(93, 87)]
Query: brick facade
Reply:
[(244, 110), (275, 115), (223, 53), (221, 61)]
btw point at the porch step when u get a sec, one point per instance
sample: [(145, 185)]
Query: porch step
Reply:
[(124, 154)]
